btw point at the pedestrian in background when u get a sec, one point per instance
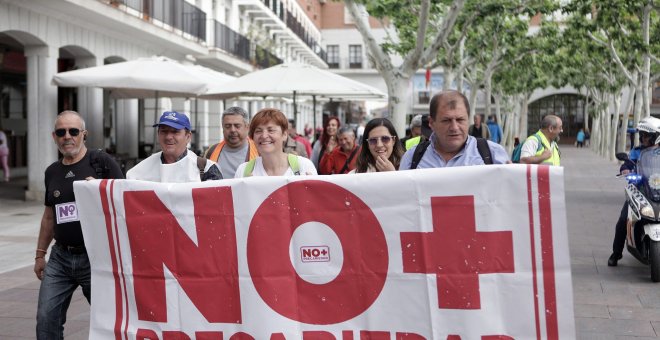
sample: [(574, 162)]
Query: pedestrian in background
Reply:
[(479, 129), (580, 138), (326, 142), (4, 155), (541, 147), (342, 159), (495, 129)]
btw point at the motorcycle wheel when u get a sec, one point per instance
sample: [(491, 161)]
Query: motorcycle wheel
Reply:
[(654, 260)]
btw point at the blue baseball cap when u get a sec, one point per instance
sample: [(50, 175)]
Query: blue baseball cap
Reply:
[(174, 119)]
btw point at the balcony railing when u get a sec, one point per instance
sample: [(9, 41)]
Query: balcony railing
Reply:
[(177, 14), (231, 41), (277, 7), (241, 47)]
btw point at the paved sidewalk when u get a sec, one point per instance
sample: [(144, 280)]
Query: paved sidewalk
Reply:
[(610, 303)]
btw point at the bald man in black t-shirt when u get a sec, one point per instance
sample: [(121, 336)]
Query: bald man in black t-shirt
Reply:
[(68, 265)]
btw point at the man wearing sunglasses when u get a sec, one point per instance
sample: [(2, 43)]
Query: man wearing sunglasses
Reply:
[(450, 141), (175, 163), (68, 265)]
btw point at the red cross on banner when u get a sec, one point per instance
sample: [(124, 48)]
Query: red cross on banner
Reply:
[(456, 252)]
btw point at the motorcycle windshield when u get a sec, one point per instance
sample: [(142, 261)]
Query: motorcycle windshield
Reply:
[(648, 166)]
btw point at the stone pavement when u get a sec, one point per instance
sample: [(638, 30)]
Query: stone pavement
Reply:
[(610, 303)]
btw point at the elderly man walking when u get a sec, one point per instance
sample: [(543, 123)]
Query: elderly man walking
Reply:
[(175, 163), (68, 265)]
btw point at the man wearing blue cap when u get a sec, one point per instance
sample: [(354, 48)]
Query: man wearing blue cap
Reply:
[(175, 163)]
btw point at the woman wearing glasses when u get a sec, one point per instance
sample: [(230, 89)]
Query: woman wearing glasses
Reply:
[(383, 152)]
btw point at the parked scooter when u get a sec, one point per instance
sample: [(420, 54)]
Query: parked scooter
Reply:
[(643, 196)]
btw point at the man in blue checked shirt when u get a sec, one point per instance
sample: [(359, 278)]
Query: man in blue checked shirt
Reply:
[(452, 146)]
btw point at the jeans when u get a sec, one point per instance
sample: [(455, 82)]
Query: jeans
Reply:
[(63, 274)]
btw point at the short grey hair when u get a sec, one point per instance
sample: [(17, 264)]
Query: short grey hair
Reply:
[(548, 121), (71, 113), (416, 121), (236, 111), (345, 129)]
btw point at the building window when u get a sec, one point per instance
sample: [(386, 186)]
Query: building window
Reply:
[(355, 56), (333, 56), (423, 97)]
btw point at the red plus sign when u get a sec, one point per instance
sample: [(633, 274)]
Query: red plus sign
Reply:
[(324, 252), (456, 252)]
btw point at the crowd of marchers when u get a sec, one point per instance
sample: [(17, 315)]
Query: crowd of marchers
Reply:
[(265, 145)]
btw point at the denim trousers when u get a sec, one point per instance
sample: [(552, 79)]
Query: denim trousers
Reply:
[(63, 274)]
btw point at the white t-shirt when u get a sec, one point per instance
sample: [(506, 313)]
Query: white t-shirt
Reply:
[(529, 148), (183, 171), (306, 168)]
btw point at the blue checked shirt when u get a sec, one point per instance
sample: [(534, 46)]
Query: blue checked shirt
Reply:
[(469, 155)]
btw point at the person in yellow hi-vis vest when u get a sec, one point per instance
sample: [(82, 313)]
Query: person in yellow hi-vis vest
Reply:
[(541, 147)]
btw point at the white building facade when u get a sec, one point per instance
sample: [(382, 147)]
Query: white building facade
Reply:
[(39, 38)]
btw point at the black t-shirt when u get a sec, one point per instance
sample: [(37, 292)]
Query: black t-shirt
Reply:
[(59, 193)]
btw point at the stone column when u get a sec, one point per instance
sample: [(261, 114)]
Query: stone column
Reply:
[(126, 127), (90, 107), (42, 112)]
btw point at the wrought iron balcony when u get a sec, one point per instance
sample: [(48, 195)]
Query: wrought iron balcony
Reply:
[(238, 45), (178, 14)]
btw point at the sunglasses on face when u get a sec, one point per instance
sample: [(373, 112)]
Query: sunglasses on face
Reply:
[(383, 139), (62, 132)]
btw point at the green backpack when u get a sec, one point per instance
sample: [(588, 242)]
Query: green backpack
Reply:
[(293, 163), (515, 155)]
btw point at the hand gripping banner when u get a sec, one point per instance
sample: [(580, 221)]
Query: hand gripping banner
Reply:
[(459, 253)]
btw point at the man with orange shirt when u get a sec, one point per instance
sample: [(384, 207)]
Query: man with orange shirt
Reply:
[(342, 159), (236, 148)]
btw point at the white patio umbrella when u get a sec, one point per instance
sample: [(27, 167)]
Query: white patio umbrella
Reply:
[(292, 80), (285, 79), (139, 78), (151, 77)]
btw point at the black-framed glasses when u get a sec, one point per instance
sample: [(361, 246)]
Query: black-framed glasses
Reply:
[(383, 139), (62, 132)]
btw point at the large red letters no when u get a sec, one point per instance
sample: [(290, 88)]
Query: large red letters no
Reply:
[(363, 272), (206, 271)]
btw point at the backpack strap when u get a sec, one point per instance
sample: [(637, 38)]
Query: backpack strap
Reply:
[(201, 164), (419, 153), (293, 163), (209, 152), (348, 161), (249, 167), (97, 161), (484, 150)]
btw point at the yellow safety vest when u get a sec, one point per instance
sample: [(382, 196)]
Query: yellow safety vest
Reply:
[(554, 160), (412, 142)]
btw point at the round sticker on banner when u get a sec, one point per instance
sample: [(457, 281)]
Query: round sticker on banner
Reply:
[(56, 193), (316, 253)]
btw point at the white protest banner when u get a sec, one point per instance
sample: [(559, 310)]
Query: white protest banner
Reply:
[(459, 253)]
